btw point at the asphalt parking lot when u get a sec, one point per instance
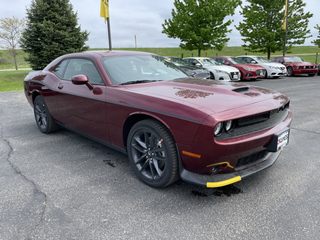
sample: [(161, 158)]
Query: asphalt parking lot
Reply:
[(64, 186)]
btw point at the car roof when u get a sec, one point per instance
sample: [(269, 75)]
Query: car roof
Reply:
[(106, 53), (197, 58), (222, 57), (249, 56)]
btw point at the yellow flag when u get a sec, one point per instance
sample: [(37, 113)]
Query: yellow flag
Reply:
[(104, 9), (284, 26)]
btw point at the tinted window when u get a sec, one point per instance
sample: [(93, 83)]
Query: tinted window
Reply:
[(59, 70), (86, 67)]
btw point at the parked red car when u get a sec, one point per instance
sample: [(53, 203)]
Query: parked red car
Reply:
[(296, 66), (248, 71), (207, 132)]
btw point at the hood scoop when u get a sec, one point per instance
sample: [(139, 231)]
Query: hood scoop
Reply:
[(242, 90)]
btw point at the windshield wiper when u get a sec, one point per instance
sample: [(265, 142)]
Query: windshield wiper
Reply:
[(139, 81)]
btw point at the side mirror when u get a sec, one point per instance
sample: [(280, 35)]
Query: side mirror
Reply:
[(81, 80), (253, 62), (226, 63), (198, 65)]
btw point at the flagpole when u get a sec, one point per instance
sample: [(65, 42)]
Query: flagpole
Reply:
[(286, 27), (104, 12), (109, 34)]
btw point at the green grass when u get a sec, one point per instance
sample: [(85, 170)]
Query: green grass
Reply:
[(12, 80)]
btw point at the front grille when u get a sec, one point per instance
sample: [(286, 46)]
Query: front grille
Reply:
[(248, 160), (256, 123), (308, 67), (233, 74), (261, 72)]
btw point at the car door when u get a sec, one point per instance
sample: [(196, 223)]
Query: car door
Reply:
[(81, 108)]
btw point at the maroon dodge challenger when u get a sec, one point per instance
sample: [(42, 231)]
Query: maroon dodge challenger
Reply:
[(170, 125)]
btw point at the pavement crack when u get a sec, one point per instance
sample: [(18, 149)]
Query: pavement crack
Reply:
[(37, 190)]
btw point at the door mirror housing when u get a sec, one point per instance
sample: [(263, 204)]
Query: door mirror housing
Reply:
[(81, 80)]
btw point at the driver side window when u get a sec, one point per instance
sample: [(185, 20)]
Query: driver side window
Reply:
[(86, 67)]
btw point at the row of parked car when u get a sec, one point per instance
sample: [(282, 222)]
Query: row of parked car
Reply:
[(244, 67)]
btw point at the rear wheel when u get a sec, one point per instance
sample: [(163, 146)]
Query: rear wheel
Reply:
[(43, 118), (152, 153), (290, 72), (311, 75)]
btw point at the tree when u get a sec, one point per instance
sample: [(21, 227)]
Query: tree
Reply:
[(52, 30), (11, 29), (262, 25), (317, 41), (200, 24)]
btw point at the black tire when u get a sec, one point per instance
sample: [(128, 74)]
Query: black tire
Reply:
[(152, 153), (43, 118), (212, 76), (290, 72), (311, 75)]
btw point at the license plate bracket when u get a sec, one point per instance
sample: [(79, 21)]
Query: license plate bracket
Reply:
[(279, 141)]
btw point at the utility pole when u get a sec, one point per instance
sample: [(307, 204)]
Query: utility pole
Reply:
[(285, 26)]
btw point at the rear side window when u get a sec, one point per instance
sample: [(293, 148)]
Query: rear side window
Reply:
[(60, 69)]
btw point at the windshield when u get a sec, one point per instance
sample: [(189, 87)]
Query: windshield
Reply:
[(262, 60), (139, 69), (208, 62), (293, 59), (178, 61), (236, 60)]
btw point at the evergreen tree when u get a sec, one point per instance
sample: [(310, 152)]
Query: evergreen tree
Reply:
[(317, 41), (200, 24), (262, 26), (52, 30)]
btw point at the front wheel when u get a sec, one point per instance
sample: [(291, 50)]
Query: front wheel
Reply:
[(43, 118), (152, 153), (290, 72), (311, 75)]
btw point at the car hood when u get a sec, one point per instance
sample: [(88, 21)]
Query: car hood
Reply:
[(302, 63), (223, 68), (272, 64), (252, 66), (207, 95), (192, 68)]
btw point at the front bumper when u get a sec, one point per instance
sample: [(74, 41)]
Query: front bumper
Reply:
[(305, 71), (220, 180)]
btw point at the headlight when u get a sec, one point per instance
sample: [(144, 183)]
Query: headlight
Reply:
[(223, 127), (272, 67), (220, 71), (228, 125), (218, 129), (248, 69)]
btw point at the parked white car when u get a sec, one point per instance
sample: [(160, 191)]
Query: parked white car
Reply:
[(218, 71), (274, 70)]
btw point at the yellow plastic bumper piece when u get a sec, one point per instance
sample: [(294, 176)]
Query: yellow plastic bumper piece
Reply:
[(223, 183)]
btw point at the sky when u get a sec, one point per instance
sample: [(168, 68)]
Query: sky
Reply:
[(140, 18)]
